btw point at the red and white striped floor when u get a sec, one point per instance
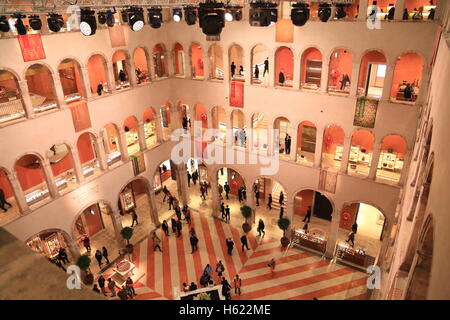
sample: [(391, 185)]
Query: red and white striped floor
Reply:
[(298, 274)]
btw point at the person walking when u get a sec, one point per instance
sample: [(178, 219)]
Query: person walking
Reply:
[(307, 215), (130, 287), (202, 192), (156, 242), (99, 88), (112, 287), (256, 74), (3, 201), (230, 245), (178, 212), (227, 214), (101, 283), (237, 284), (166, 193), (195, 177), (194, 242), (355, 227), (226, 187), (173, 224), (240, 194), (208, 270), (281, 199), (171, 202), (233, 69), (87, 244), (62, 256), (351, 238), (257, 197), (165, 227), (222, 209), (220, 269), (189, 177), (269, 202), (134, 216), (261, 227), (244, 242), (272, 265), (226, 287), (205, 187), (220, 189), (105, 254), (187, 216), (266, 66), (179, 227), (288, 144)]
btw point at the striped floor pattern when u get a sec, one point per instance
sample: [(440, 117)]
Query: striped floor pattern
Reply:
[(298, 274)]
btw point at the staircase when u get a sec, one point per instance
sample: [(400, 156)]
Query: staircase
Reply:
[(276, 197)]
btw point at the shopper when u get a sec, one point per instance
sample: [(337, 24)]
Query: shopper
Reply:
[(96, 289), (272, 265), (178, 212), (226, 187), (208, 270), (244, 193), (194, 243), (266, 66), (166, 193), (173, 224), (62, 256), (226, 287), (192, 287), (257, 197), (281, 199), (122, 293), (112, 287), (134, 216), (156, 242), (237, 284), (99, 88), (130, 287), (261, 227), (3, 201), (281, 78), (307, 215), (171, 202), (87, 244), (187, 216), (256, 74), (233, 69), (351, 238), (281, 212), (179, 227), (105, 254), (240, 194), (205, 187), (220, 189), (165, 227), (220, 268), (101, 283), (99, 257), (227, 214), (244, 242), (230, 245), (202, 192), (355, 227), (222, 210), (189, 177), (269, 202)]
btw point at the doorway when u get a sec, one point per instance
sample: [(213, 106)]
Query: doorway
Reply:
[(375, 79)]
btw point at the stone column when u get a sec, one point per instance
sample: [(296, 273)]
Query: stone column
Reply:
[(215, 203), (50, 179), (73, 247), (293, 154), (206, 63), (123, 146), (159, 129), (345, 154), (102, 157), (399, 8), (86, 83), (182, 184), (18, 193), (271, 69), (131, 74), (77, 166), (333, 233), (354, 80), (117, 224), (151, 67), (318, 149), (271, 149), (27, 104), (374, 162), (424, 82), (59, 91), (388, 82), (385, 243), (405, 169), (175, 121), (141, 137), (289, 214), (362, 12), (152, 205), (248, 68), (324, 76), (296, 75), (111, 78)]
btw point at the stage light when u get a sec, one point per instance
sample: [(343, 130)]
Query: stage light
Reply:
[(4, 24), (155, 17), (263, 14), (233, 13), (55, 22), (324, 12), (110, 19), (35, 22), (101, 17), (19, 25), (228, 16), (300, 13), (211, 16), (190, 15), (340, 13), (136, 18), (88, 24), (177, 14)]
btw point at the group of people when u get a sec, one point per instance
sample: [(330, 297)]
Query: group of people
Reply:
[(194, 177), (233, 70), (287, 144), (186, 122), (99, 255), (61, 259), (125, 293), (266, 69)]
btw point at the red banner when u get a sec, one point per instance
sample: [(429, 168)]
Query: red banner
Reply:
[(237, 94), (31, 46), (80, 116)]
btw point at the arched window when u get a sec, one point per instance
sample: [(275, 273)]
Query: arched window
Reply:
[(10, 206), (71, 80), (311, 69), (178, 60), (260, 64), (98, 71), (121, 63), (219, 123), (236, 62), (216, 62), (165, 120), (306, 143), (197, 61), (61, 162), (407, 78), (333, 147), (360, 157), (282, 137), (150, 132), (340, 71), (394, 149), (260, 132), (141, 69), (130, 126), (11, 104), (238, 127), (41, 87), (88, 154), (111, 143), (372, 73), (284, 67), (159, 61)]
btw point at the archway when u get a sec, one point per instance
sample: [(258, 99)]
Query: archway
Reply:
[(311, 69), (48, 243), (166, 175), (238, 127), (165, 120), (71, 80), (140, 58), (260, 60), (216, 62), (98, 71), (159, 61), (130, 126), (121, 70), (306, 142), (10, 208), (236, 183), (368, 223), (333, 147), (11, 104), (284, 67), (197, 61), (372, 74), (111, 143), (361, 149), (282, 136), (185, 115), (41, 88), (32, 179), (414, 6), (340, 71), (61, 163), (312, 218), (394, 149), (260, 132), (219, 123), (150, 132), (178, 60), (236, 62), (407, 78), (88, 154)]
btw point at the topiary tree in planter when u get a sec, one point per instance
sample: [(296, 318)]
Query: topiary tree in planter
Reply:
[(284, 224), (127, 233), (84, 263), (246, 212)]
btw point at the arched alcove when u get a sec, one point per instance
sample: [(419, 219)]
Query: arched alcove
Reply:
[(151, 136), (41, 87), (178, 60), (61, 163), (140, 58), (11, 103), (236, 62), (219, 123), (306, 142), (197, 66), (360, 157), (130, 126), (284, 67), (98, 74), (111, 142), (238, 127), (260, 64), (340, 71), (10, 209), (159, 61), (121, 63), (372, 74), (282, 136), (394, 149), (260, 132), (333, 147), (71, 80), (407, 78), (88, 154), (311, 69), (217, 70)]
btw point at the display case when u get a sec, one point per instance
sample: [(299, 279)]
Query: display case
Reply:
[(356, 257), (36, 196), (131, 137), (310, 241), (313, 74), (354, 154), (61, 183), (387, 161), (338, 153), (127, 199), (113, 157), (149, 129)]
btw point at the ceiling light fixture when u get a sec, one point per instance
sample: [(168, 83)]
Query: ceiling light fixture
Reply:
[(177, 14), (135, 18), (88, 24), (211, 16), (233, 13), (300, 13), (263, 14), (154, 17), (35, 22), (55, 22), (190, 15), (4, 24), (324, 12), (340, 12)]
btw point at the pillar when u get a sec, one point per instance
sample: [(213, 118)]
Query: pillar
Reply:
[(318, 149), (250, 135), (385, 243), (18, 193), (296, 75), (289, 214), (399, 8), (362, 13), (271, 69), (324, 75), (112, 78), (345, 154), (248, 68), (59, 91), (123, 146), (388, 82), (48, 174), (424, 82), (152, 205), (27, 104), (102, 157), (271, 148), (333, 233), (206, 63), (293, 154), (374, 162), (175, 120), (159, 128), (77, 166), (117, 224), (405, 169), (131, 74), (87, 87), (141, 137), (182, 184), (73, 247), (354, 79)]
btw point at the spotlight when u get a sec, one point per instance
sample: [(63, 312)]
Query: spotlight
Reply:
[(324, 12), (4, 24), (35, 22), (340, 13), (233, 13), (135, 18), (155, 17), (55, 22), (88, 24), (20, 26), (101, 17), (263, 14), (299, 13), (124, 15), (211, 16), (177, 14), (110, 19), (190, 15)]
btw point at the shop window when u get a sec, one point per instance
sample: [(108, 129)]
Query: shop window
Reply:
[(392, 158), (217, 70), (418, 10), (165, 175), (97, 70), (260, 132), (41, 88), (61, 163), (130, 126), (238, 127), (233, 179), (282, 136), (197, 61), (407, 78), (284, 67), (178, 60), (372, 74), (11, 103), (219, 123), (141, 65), (236, 60), (134, 198), (88, 154), (150, 128), (49, 243), (333, 147), (380, 9), (311, 69), (340, 72), (260, 64), (361, 150), (306, 143), (159, 61), (121, 70), (71, 80), (111, 141)]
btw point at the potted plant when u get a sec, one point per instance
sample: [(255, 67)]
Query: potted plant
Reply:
[(83, 263), (127, 233), (283, 224), (246, 212)]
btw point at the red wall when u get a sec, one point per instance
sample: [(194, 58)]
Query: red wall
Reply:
[(41, 84), (284, 60), (352, 210), (408, 67), (148, 114), (300, 205), (336, 135), (396, 143), (411, 4), (309, 54), (111, 131), (63, 165), (299, 131), (177, 48), (343, 63), (364, 139), (197, 60), (140, 59), (29, 178), (84, 146), (130, 122), (5, 185), (119, 56), (96, 71), (372, 56), (94, 222)]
